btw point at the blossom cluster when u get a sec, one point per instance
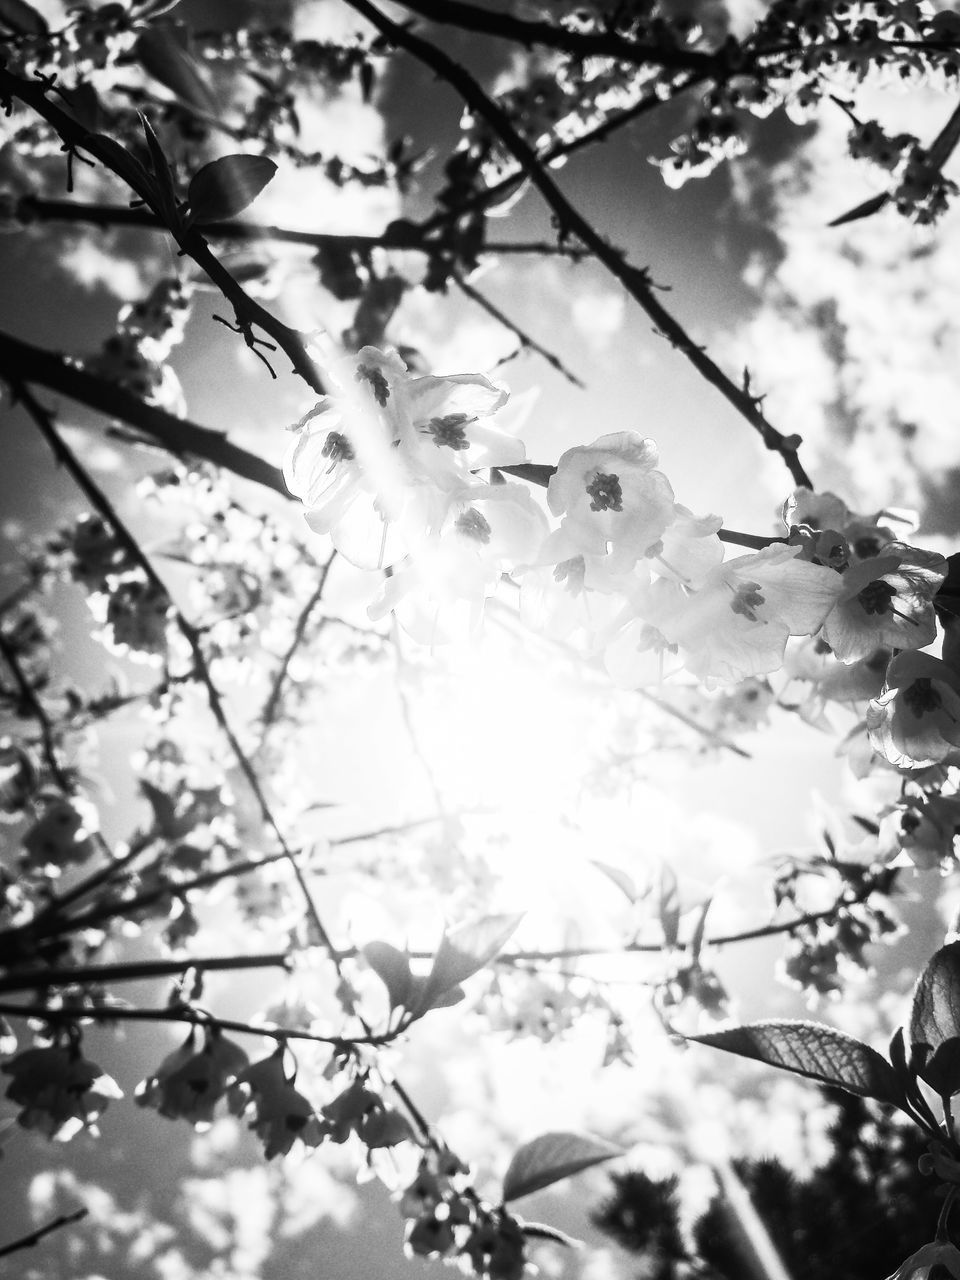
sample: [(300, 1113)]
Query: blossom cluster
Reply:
[(389, 464), (136, 355), (825, 51), (445, 1219), (93, 38), (58, 1090)]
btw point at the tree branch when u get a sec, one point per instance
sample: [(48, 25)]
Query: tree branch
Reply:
[(102, 504), (526, 342), (149, 970), (550, 35), (39, 712), (22, 362), (139, 971), (34, 1237), (194, 1017), (112, 156), (405, 235), (571, 223), (272, 703)]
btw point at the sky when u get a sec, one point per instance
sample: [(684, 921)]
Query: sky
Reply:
[(756, 296)]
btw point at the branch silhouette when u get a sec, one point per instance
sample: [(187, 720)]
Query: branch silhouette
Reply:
[(570, 222)]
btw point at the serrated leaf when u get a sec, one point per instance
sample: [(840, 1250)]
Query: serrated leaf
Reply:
[(463, 953), (161, 51), (224, 187), (392, 967), (22, 18), (813, 1050), (551, 1158), (935, 1018)]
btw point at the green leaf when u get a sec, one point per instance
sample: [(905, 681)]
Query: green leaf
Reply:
[(224, 187), (935, 1018), (22, 18), (392, 967), (813, 1050), (161, 51), (461, 954), (551, 1158)]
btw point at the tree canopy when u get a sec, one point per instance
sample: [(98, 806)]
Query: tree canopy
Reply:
[(479, 658)]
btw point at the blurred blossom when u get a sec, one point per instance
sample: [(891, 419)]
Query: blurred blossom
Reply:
[(60, 1091), (189, 1082), (282, 1115)]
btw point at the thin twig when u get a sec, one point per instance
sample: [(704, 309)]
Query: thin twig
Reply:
[(539, 473), (406, 235), (39, 713), (194, 1017), (250, 314), (59, 902), (572, 223), (34, 1237), (55, 923), (550, 35), (406, 715), (713, 737), (99, 500), (23, 362), (271, 706), (138, 971), (525, 340)]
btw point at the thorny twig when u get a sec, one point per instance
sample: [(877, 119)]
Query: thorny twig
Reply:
[(572, 223), (526, 342)]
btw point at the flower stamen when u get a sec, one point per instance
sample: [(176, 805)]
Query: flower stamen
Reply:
[(605, 493), (471, 524), (449, 431), (747, 598)]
